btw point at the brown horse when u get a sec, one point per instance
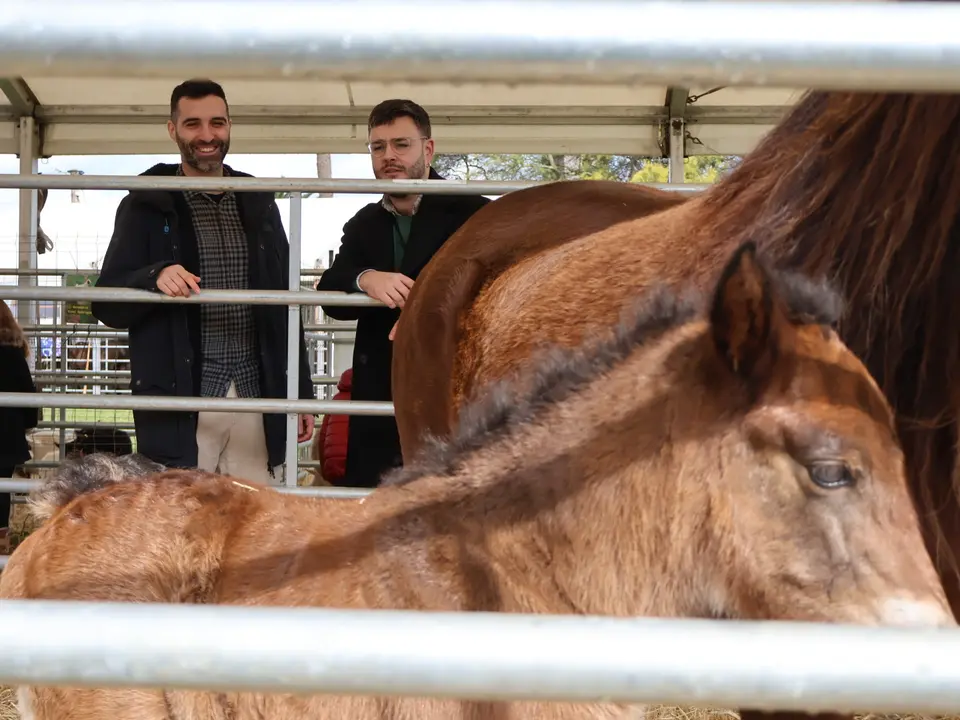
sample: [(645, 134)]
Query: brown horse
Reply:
[(717, 457), (862, 187)]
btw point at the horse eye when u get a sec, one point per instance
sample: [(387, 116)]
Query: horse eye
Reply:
[(831, 475)]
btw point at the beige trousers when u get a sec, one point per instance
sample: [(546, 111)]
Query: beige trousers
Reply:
[(234, 444)]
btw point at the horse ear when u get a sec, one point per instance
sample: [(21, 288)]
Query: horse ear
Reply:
[(745, 316)]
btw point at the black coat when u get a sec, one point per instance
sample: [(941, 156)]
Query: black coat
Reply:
[(373, 441), (14, 422), (154, 229)]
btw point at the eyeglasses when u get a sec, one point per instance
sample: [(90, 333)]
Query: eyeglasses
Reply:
[(399, 145)]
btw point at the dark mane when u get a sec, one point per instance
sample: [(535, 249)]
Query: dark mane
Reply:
[(82, 475), (557, 373), (812, 186)]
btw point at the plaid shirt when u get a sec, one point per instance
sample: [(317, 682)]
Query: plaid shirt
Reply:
[(227, 333), (387, 204)]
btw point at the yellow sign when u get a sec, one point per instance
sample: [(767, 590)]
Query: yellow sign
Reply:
[(77, 312)]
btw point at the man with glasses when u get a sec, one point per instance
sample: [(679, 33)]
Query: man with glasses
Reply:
[(384, 248)]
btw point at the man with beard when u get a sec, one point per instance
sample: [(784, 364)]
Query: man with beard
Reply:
[(177, 242), (383, 249)]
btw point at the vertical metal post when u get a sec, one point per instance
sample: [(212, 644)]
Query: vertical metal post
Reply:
[(676, 139), (60, 359), (290, 469), (27, 254), (328, 390)]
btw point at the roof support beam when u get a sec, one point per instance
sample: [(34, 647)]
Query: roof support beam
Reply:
[(677, 98), (27, 242), (21, 97), (440, 115), (344, 115)]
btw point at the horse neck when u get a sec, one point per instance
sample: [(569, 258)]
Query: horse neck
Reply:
[(608, 550), (569, 513)]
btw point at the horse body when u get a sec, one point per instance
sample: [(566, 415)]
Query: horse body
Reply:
[(861, 187), (599, 273), (459, 270), (718, 458), (221, 540)]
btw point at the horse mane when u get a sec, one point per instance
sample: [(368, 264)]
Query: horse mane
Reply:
[(824, 200), (558, 372), (78, 476)]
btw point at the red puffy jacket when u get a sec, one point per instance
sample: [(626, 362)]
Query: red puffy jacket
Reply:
[(332, 445)]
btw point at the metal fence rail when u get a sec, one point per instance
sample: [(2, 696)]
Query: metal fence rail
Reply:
[(232, 297), (50, 378), (241, 184), (482, 656), (157, 402), (145, 402), (26, 485), (895, 46)]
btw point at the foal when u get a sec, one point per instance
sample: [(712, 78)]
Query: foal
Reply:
[(727, 459)]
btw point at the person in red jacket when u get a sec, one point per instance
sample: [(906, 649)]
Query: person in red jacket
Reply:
[(331, 442)]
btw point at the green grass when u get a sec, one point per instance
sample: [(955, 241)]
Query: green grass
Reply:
[(89, 415)]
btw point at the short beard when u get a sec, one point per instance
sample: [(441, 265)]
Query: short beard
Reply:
[(188, 156), (417, 171)]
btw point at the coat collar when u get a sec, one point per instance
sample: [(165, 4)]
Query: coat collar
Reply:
[(252, 204), (387, 204)]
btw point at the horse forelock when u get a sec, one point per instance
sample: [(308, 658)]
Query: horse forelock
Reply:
[(809, 301), (557, 373)]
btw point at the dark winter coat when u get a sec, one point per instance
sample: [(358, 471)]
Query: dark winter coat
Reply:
[(15, 421), (367, 243), (154, 229)]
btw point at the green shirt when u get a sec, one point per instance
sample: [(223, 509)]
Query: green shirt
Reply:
[(401, 233)]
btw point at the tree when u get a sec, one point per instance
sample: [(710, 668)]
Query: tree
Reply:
[(546, 168)]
